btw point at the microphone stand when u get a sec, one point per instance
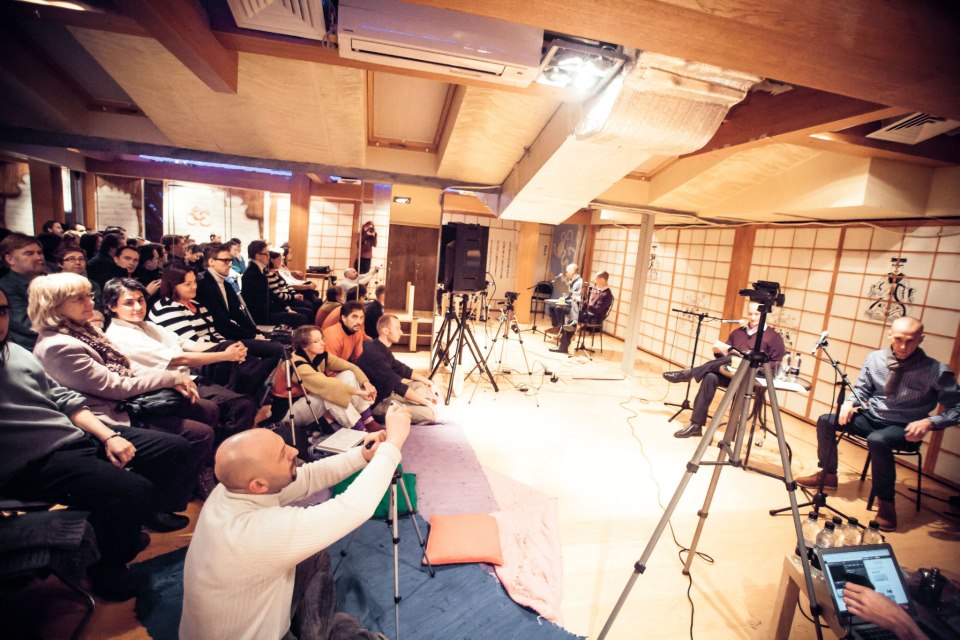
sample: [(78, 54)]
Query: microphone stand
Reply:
[(819, 499), (701, 317)]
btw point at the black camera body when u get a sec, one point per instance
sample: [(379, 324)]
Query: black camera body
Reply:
[(511, 296), (765, 293)]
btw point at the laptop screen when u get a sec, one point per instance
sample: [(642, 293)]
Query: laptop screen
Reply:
[(873, 566)]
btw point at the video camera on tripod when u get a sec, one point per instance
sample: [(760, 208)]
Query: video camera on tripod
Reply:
[(511, 297), (765, 293)]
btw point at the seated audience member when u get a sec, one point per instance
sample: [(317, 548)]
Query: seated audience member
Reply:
[(256, 291), (215, 237), (120, 231), (23, 255), (173, 247), (72, 260), (50, 243), (52, 226), (128, 259), (102, 266), (282, 295), (239, 265), (334, 298), (372, 312), (80, 357), (153, 346), (352, 279), (395, 381), (90, 243), (900, 385), (338, 390), (149, 271), (177, 310), (193, 257), (230, 315), (359, 294), (568, 312), (345, 338), (600, 301), (709, 375), (56, 450), (254, 558)]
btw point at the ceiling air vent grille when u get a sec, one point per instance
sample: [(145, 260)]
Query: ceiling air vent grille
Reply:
[(913, 128), (300, 18)]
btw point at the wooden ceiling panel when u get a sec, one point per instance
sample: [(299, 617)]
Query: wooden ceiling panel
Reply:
[(490, 131), (283, 109), (406, 112)]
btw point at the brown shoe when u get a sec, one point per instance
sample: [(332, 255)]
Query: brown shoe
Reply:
[(886, 515), (813, 481), (552, 331)]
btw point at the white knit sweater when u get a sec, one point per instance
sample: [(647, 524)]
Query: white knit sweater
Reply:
[(240, 567)]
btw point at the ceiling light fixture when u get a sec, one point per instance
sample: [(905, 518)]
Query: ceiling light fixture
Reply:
[(580, 67), (402, 200)]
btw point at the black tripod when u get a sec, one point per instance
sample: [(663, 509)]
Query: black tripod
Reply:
[(739, 395), (819, 499), (701, 317), (457, 330)]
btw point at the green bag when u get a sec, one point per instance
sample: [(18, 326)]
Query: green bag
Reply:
[(409, 480)]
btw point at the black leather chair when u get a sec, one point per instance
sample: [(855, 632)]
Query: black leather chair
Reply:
[(896, 452)]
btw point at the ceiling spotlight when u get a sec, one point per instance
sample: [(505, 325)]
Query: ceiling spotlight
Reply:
[(578, 66), (402, 200)]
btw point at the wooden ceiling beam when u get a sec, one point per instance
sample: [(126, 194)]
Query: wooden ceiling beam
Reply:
[(100, 20), (183, 28), (904, 54), (942, 155), (798, 112)]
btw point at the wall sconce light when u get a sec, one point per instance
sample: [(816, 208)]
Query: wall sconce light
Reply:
[(402, 200)]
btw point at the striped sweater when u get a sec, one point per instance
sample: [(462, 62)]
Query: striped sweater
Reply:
[(280, 291), (194, 330)]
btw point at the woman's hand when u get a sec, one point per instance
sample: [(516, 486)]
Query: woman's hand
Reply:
[(119, 451), (236, 352), (188, 388), (153, 287)]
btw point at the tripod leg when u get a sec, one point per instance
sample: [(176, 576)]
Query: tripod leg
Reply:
[(692, 467), (416, 527), (791, 487), (396, 552)]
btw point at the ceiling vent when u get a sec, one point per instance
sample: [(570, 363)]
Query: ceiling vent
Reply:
[(914, 128), (300, 18), (456, 44)]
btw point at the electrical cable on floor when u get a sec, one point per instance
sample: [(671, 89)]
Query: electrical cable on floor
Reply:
[(682, 549)]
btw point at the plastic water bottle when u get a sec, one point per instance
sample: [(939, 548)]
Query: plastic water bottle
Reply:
[(785, 366), (872, 534), (811, 527), (826, 538), (851, 533), (837, 531)]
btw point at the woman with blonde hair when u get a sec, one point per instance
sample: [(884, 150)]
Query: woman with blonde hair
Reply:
[(80, 357)]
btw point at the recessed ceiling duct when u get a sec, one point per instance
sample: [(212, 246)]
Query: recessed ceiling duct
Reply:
[(662, 106)]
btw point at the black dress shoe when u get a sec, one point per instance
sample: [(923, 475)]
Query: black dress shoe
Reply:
[(111, 581), (692, 430), (559, 350), (166, 522), (678, 376)]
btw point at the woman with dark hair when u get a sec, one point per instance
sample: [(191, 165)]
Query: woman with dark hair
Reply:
[(80, 357), (283, 295), (148, 270), (176, 310), (90, 243), (335, 296), (125, 301)]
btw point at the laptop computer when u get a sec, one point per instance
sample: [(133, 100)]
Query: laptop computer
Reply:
[(873, 566)]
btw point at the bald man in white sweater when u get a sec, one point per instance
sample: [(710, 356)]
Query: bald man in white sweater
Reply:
[(242, 562)]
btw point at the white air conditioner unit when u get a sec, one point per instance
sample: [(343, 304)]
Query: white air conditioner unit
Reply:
[(398, 34)]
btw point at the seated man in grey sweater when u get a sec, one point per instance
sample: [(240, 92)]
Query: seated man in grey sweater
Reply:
[(396, 382), (56, 450)]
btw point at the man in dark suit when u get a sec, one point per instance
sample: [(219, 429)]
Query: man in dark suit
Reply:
[(215, 293), (256, 291)]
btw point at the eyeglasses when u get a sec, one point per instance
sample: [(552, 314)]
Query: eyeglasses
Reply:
[(75, 259), (264, 253), (223, 259)]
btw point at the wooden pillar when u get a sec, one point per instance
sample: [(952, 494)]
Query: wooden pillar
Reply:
[(740, 263), (526, 264), (299, 220), (46, 193), (641, 267), (89, 201)]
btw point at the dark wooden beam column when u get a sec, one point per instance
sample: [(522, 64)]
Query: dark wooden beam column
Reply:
[(299, 220), (46, 193)]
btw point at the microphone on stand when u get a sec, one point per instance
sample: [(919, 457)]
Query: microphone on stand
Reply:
[(821, 342), (737, 321), (557, 277)]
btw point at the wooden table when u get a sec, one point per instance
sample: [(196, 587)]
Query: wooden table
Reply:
[(793, 585)]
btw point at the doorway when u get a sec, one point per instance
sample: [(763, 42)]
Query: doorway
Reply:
[(412, 257)]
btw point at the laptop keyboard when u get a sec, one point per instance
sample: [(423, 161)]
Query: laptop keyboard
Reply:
[(875, 633)]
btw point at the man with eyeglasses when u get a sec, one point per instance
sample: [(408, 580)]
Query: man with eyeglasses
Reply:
[(230, 316), (23, 255), (256, 289)]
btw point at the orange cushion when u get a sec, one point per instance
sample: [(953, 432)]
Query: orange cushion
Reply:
[(464, 538)]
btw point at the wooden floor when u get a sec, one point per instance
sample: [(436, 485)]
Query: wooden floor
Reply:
[(600, 444)]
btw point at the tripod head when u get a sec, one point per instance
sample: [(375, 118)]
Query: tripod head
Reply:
[(766, 295), (511, 297)]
